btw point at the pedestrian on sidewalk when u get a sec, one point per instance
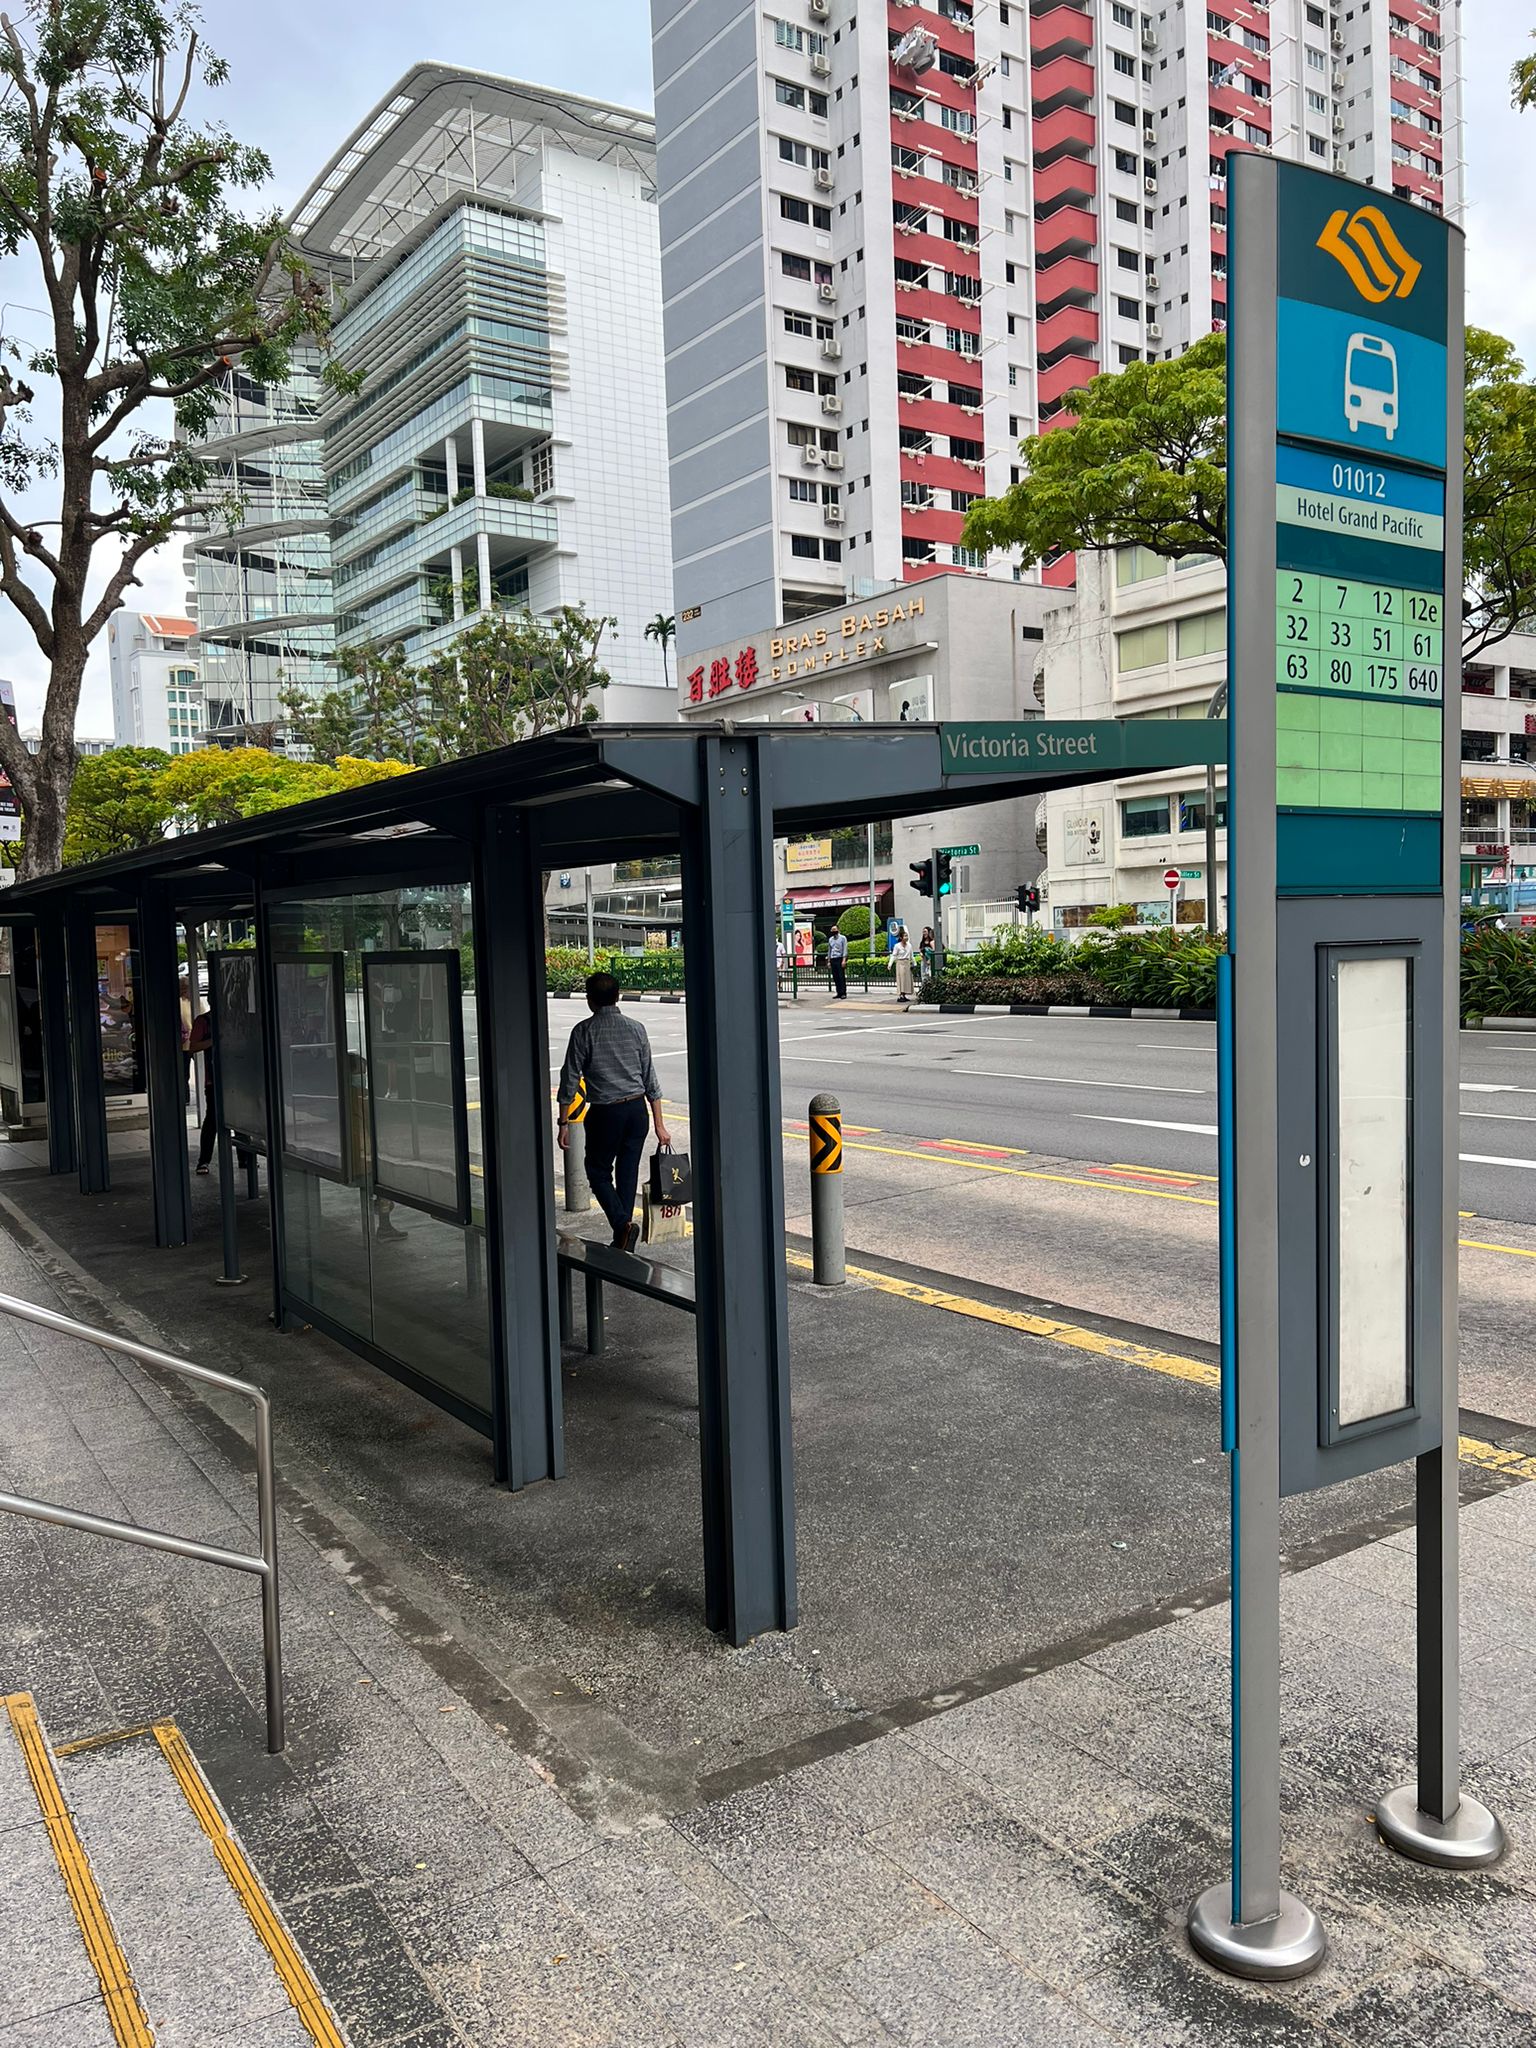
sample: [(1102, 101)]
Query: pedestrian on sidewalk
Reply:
[(200, 1046), (612, 1054), (901, 958), (837, 960)]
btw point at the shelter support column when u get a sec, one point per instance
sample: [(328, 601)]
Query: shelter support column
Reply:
[(527, 1420), (746, 1448), (85, 1048), (58, 1069), (165, 1067)]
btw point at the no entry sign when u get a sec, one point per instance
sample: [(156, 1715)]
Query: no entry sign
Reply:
[(1171, 878)]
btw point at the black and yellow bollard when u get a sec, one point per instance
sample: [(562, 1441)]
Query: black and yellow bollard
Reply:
[(828, 1257), (578, 1193)]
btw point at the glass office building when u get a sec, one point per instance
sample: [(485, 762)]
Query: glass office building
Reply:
[(495, 251)]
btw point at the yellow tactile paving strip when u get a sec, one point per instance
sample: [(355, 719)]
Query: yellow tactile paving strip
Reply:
[(130, 2023), (293, 1972)]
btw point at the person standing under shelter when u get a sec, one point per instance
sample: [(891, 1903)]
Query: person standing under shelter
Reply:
[(612, 1055), (837, 960)]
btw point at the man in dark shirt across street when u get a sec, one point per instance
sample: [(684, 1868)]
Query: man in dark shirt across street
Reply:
[(612, 1054)]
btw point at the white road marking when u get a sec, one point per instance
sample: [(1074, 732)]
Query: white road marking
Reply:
[(1498, 1116), (1071, 1081), (1494, 1088), (1146, 1124), (1172, 1045), (1492, 1159)]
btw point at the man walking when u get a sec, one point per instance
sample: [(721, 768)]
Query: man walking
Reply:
[(612, 1054), (837, 960)]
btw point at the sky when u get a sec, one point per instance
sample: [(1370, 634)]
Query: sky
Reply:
[(303, 76)]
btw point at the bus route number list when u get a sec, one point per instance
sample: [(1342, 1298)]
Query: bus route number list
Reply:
[(1359, 674)]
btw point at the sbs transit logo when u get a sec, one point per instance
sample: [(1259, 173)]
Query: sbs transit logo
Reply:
[(1379, 266)]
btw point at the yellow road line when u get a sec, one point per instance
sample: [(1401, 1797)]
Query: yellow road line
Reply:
[(293, 1972), (1195, 1371), (129, 2021), (1070, 1334), (1178, 1172), (1515, 1251)]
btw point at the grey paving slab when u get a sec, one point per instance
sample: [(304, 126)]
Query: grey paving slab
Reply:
[(18, 1801), (199, 1966), (946, 1983), (46, 1964), (74, 2026), (375, 1989)]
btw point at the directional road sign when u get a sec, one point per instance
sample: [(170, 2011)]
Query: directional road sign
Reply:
[(960, 852)]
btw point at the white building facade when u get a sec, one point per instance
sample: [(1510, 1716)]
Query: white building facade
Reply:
[(896, 237), (495, 246), (157, 694)]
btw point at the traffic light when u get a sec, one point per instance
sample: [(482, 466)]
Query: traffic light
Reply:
[(1029, 896), (922, 876), (944, 862)]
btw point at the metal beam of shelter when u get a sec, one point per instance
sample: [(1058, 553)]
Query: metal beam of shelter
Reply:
[(331, 889)]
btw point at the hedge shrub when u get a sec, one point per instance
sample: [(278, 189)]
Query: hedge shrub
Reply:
[(1498, 973)]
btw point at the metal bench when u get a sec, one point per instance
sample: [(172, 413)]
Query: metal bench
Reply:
[(599, 1263)]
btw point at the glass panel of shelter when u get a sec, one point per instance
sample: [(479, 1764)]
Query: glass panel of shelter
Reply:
[(393, 1256)]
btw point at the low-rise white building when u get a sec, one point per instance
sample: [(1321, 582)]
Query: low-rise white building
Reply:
[(954, 646), (157, 694), (1146, 638)]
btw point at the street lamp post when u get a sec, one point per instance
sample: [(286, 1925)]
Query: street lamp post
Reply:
[(1217, 708), (591, 949)]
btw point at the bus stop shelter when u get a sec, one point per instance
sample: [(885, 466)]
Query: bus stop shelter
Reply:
[(341, 896)]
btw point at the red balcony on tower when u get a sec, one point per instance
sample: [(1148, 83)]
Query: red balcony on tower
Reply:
[(1063, 30), (1069, 181), (1064, 82), (1072, 331), (1069, 131), (1069, 231), (1072, 281), (1070, 374)]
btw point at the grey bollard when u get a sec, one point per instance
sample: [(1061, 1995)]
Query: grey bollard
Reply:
[(578, 1194), (829, 1264)]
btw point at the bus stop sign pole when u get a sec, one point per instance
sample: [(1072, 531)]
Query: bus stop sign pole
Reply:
[(1338, 1102)]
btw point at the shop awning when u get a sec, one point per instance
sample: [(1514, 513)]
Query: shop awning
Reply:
[(835, 896)]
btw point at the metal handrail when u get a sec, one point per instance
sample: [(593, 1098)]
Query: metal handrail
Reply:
[(264, 1566)]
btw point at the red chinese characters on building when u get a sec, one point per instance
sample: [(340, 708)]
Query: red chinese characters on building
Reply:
[(746, 668), (719, 676), (695, 686)]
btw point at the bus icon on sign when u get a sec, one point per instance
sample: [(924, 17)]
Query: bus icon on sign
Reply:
[(1370, 384)]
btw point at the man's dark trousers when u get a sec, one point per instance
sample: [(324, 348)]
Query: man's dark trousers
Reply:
[(615, 1135), (840, 978)]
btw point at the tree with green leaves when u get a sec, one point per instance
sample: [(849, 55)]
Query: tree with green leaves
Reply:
[(663, 630), (1146, 465), (154, 286), (1523, 81), (376, 712), (115, 806), (512, 676)]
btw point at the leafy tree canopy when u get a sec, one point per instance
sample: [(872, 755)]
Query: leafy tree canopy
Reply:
[(134, 796), (1146, 464), (1523, 80), (508, 676), (122, 202)]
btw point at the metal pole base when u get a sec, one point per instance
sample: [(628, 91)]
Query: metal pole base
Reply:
[(230, 1279), (1471, 1838), (1290, 1945)]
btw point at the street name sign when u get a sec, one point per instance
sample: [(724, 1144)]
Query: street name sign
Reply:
[(1098, 746), (960, 852), (1337, 1006)]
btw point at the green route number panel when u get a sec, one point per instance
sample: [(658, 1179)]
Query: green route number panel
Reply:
[(1359, 671)]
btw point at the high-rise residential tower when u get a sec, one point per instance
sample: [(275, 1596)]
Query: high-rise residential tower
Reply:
[(894, 237), (495, 247)]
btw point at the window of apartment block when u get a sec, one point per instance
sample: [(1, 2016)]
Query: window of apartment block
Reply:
[(787, 36), (907, 103), (832, 551), (1125, 209), (817, 102), (965, 394), (1124, 111), (1205, 633), (1144, 817), (1128, 309), (802, 490), (822, 272), (541, 468), (1125, 65), (917, 496), (1013, 373), (913, 440), (957, 121), (959, 286), (1122, 17), (953, 66), (1316, 102), (905, 158), (963, 342), (821, 217), (797, 323), (1192, 805), (1141, 647), (793, 152), (1127, 354), (910, 385), (795, 266), (799, 380), (911, 330), (788, 95), (964, 450), (962, 501), (1128, 259), (1126, 160), (795, 209), (801, 436), (806, 546), (1317, 60), (909, 273), (1318, 145)]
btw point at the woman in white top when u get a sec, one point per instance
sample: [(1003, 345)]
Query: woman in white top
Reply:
[(901, 955)]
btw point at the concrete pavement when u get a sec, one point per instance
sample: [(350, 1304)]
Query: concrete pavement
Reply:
[(1004, 1862)]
